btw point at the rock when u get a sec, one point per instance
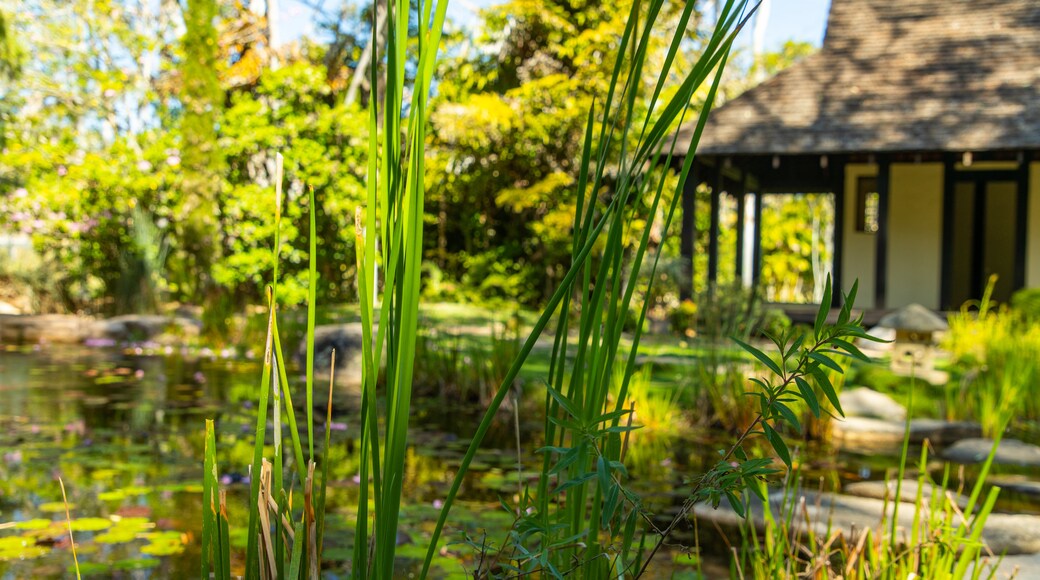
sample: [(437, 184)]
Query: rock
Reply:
[(868, 433), (1016, 484), (131, 327), (864, 402), (44, 328), (828, 512), (1016, 566), (145, 327), (907, 491), (886, 334), (346, 340), (8, 308), (914, 318), (1010, 452)]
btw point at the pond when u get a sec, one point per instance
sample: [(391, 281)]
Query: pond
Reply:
[(124, 430)]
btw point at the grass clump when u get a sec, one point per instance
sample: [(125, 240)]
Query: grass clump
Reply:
[(996, 353)]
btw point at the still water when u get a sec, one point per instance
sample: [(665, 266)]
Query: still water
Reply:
[(124, 431)]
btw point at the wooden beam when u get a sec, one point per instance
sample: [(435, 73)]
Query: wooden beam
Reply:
[(688, 232), (738, 266), (978, 239), (1021, 222), (756, 266), (713, 231), (839, 232), (881, 237), (948, 217)]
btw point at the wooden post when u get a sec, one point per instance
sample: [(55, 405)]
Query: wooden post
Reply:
[(838, 181), (738, 267), (713, 231), (688, 232), (881, 256)]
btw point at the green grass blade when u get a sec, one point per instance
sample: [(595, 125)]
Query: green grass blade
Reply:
[(252, 545), (312, 289), (210, 546), (283, 394)]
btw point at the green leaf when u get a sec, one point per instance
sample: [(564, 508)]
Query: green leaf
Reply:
[(808, 395), (580, 480), (736, 504), (564, 402), (825, 385), (761, 356), (825, 308), (788, 415), (778, 444), (851, 349), (603, 471), (826, 361)]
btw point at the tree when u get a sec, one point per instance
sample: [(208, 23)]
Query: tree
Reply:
[(507, 128), (197, 212)]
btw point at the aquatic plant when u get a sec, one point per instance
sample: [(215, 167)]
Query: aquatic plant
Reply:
[(944, 539), (996, 352)]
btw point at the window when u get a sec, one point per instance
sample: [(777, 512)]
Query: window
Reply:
[(866, 205)]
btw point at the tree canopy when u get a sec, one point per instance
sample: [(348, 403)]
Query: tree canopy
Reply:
[(139, 143)]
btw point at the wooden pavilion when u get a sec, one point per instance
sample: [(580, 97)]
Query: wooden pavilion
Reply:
[(922, 119)]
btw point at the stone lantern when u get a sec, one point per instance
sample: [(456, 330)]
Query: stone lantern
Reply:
[(914, 347)]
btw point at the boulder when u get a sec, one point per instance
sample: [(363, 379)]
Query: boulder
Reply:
[(44, 328), (828, 512), (1009, 452), (864, 402), (907, 491), (8, 308), (346, 340), (1016, 484), (878, 434)]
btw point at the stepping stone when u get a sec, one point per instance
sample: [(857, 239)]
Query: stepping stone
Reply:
[(1016, 484), (828, 512), (44, 328), (866, 433), (907, 492), (1010, 452), (864, 402)]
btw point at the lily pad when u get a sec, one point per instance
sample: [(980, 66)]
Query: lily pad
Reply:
[(90, 569), (34, 524), (136, 564), (163, 544), (90, 524), (124, 530), (52, 507), (19, 548)]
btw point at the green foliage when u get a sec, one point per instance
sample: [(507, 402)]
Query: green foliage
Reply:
[(943, 541), (725, 311), (796, 253), (1026, 304), (197, 208), (996, 352), (291, 111)]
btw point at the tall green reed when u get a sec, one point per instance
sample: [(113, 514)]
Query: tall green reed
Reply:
[(580, 518), (393, 216), (284, 535), (943, 539)]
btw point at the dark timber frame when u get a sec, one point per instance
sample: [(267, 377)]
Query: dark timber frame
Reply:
[(979, 178), (760, 175)]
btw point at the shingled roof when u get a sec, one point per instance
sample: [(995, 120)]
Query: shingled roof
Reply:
[(897, 75)]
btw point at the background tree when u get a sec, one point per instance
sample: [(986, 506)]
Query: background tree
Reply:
[(197, 211)]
